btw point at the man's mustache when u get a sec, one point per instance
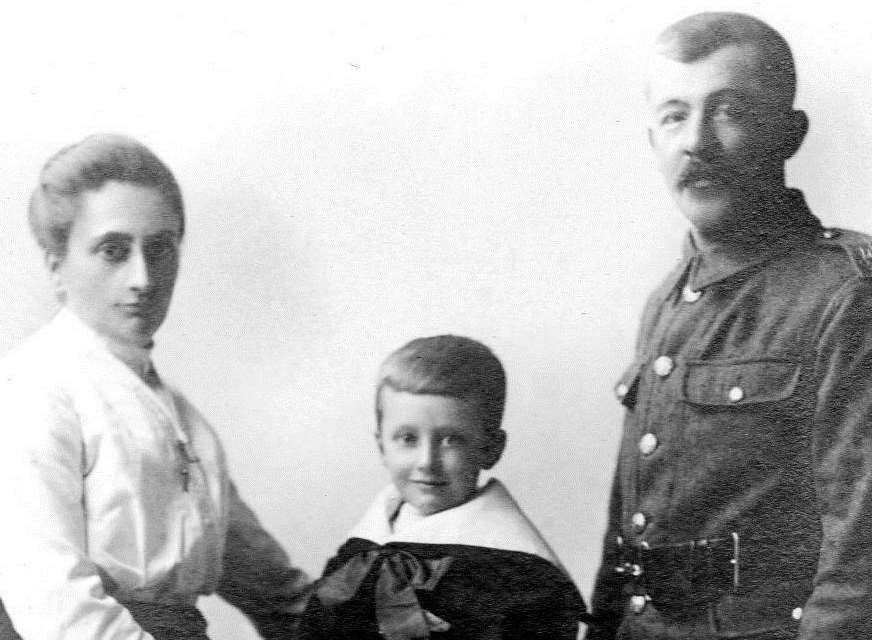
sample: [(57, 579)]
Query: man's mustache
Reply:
[(715, 172)]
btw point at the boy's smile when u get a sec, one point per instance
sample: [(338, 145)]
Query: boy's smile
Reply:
[(434, 448)]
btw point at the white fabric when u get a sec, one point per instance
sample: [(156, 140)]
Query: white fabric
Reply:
[(91, 490), (490, 519)]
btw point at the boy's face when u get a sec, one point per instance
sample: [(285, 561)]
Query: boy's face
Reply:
[(434, 447)]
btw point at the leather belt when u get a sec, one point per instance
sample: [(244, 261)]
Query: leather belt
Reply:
[(680, 575)]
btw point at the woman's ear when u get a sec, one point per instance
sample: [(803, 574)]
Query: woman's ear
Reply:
[(493, 449), (53, 263)]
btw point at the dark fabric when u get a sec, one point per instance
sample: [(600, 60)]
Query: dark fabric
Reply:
[(7, 631), (482, 593), (257, 579), (762, 427), (169, 623)]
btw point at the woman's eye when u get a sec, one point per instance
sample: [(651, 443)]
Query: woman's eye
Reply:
[(160, 249), (672, 117), (114, 252)]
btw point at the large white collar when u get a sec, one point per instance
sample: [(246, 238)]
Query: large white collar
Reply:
[(491, 519)]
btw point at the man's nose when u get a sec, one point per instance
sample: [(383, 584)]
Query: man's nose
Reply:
[(699, 135)]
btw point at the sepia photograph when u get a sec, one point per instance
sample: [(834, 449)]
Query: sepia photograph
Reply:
[(462, 320)]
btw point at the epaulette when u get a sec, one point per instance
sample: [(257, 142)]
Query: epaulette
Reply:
[(857, 245)]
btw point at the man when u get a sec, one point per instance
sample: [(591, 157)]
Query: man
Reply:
[(742, 502)]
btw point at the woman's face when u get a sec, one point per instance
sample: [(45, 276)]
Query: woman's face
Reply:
[(121, 261)]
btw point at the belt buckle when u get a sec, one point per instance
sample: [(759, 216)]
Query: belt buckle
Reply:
[(638, 603)]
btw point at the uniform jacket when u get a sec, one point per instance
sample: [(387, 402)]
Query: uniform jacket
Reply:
[(116, 497), (744, 478), (479, 570)]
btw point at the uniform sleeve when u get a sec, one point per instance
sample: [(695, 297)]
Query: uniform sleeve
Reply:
[(257, 576), (48, 584), (840, 606), (608, 601)]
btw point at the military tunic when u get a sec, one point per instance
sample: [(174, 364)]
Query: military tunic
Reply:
[(742, 499)]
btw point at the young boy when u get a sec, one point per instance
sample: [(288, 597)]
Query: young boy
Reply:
[(436, 553)]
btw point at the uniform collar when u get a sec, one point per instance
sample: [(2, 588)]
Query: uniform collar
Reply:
[(788, 223)]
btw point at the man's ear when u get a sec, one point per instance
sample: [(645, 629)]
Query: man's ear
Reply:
[(494, 448), (795, 130)]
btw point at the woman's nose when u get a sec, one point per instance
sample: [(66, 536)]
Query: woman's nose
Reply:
[(138, 272)]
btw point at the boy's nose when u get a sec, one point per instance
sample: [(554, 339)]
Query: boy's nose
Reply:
[(427, 456)]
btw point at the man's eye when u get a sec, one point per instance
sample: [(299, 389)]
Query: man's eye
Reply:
[(731, 111), (114, 252), (406, 438)]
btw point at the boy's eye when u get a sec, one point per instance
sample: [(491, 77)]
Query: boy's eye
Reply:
[(114, 252), (453, 440)]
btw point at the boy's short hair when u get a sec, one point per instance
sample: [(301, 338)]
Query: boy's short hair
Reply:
[(447, 365), (86, 166), (698, 36)]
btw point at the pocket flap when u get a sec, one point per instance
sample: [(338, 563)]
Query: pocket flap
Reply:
[(736, 383)]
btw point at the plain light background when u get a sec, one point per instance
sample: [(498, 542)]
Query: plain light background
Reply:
[(358, 174)]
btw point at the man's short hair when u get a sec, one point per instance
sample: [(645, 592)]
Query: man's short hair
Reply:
[(447, 365), (86, 166), (702, 34)]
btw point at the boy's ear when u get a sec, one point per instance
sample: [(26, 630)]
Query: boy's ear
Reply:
[(494, 448), (378, 442)]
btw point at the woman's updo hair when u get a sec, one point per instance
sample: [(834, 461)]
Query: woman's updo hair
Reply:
[(87, 166)]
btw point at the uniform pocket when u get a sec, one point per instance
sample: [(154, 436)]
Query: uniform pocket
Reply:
[(736, 383)]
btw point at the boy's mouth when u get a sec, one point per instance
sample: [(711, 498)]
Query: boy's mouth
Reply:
[(431, 483)]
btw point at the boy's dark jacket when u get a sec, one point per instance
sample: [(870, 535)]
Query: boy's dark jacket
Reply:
[(444, 589)]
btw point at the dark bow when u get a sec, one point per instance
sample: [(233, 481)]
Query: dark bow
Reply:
[(400, 575)]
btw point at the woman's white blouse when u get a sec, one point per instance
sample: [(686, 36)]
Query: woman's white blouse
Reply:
[(97, 508)]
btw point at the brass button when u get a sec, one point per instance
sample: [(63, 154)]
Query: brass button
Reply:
[(647, 444), (829, 234), (621, 390), (663, 366), (735, 394), (796, 614), (689, 295), (639, 520), (637, 603)]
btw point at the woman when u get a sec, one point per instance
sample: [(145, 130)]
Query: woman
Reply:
[(118, 508)]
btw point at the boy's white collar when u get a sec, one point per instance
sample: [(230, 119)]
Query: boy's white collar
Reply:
[(490, 519)]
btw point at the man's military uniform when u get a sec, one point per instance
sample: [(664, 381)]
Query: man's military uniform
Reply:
[(742, 501)]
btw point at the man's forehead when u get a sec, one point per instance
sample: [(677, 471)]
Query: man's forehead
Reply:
[(732, 67)]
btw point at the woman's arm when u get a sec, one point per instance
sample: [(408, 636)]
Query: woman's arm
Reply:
[(257, 576), (49, 585)]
